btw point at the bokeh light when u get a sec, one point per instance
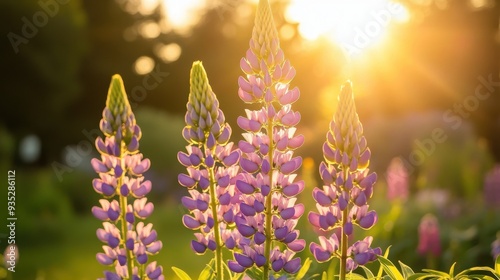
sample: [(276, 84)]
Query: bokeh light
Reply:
[(143, 65)]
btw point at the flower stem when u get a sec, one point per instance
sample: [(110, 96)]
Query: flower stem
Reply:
[(269, 204), (123, 206), (213, 204), (343, 237)]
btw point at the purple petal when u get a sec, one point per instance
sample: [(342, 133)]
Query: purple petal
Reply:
[(99, 213), (194, 159), (291, 118), (329, 153), (292, 266), (293, 189), (321, 198), (244, 187), (314, 219), (260, 260), (348, 228), (248, 165), (225, 199), (296, 142), (247, 210), (246, 147), (235, 267), (362, 258), (231, 159), (186, 181), (223, 181), (281, 232), (98, 166), (243, 260), (142, 167), (258, 206), (277, 265), (319, 254), (297, 245), (259, 238), (287, 213), (190, 222), (104, 259), (369, 220), (291, 166), (189, 203), (245, 230)]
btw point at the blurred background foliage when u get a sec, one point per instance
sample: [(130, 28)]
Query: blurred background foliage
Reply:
[(56, 73)]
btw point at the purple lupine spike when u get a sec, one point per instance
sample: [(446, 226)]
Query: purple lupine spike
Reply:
[(492, 188), (397, 181), (342, 203), (211, 162), (267, 181), (120, 172), (428, 232)]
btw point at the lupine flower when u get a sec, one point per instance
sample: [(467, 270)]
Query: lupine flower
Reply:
[(492, 188), (268, 215), (342, 202), (211, 163), (428, 233), (128, 244), (397, 180), (495, 247)]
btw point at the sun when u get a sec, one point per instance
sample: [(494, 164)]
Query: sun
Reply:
[(353, 24)]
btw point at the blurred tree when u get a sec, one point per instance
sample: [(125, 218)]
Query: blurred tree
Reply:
[(41, 54)]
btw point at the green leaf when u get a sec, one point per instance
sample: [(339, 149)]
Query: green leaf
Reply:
[(368, 272), (303, 270), (437, 273), (390, 268), (381, 269), (333, 268), (479, 268), (354, 276), (420, 276), (206, 273), (181, 274), (407, 271), (452, 270), (497, 265), (324, 276)]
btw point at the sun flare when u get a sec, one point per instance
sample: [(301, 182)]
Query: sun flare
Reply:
[(353, 24)]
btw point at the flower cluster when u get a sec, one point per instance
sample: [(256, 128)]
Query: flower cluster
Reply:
[(428, 236), (397, 181), (127, 243), (211, 164), (492, 188), (347, 186), (268, 211)]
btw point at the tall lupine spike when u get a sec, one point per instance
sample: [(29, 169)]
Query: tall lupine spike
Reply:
[(267, 182), (127, 243), (342, 202), (212, 165)]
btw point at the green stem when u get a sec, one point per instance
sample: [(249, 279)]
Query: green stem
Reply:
[(343, 237), (213, 204), (269, 205), (123, 221)]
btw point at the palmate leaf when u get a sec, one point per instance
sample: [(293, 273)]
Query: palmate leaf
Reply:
[(497, 265), (368, 272), (407, 271), (465, 273)]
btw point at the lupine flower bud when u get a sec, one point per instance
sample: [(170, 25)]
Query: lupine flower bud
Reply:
[(211, 163), (342, 203), (428, 233), (397, 180), (120, 170)]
